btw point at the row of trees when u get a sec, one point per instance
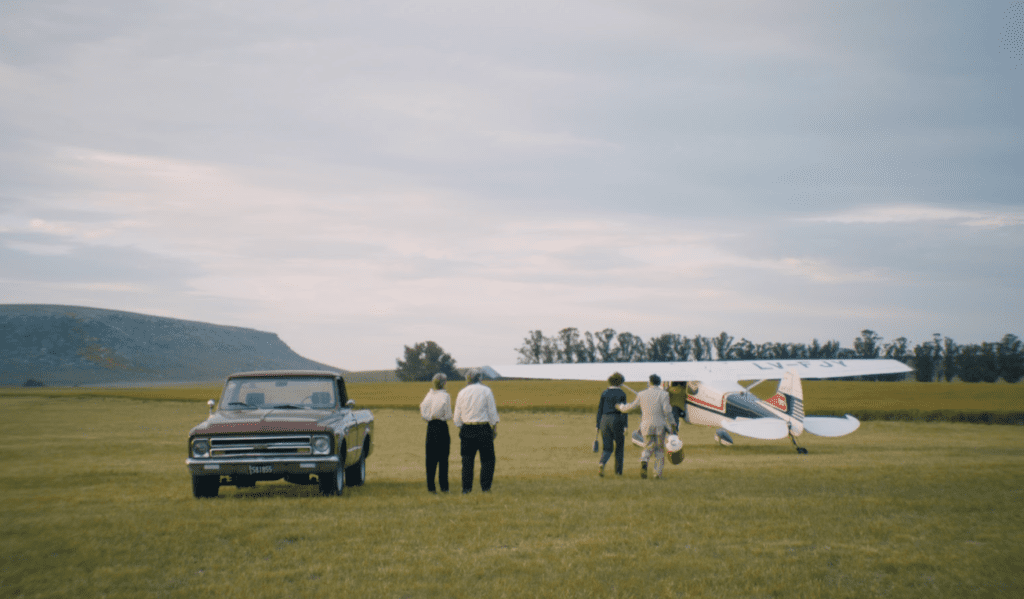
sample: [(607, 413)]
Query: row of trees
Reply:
[(424, 360), (938, 359), (943, 359)]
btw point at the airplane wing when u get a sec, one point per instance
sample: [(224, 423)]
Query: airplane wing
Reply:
[(717, 370)]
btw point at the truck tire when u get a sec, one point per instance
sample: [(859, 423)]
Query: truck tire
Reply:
[(205, 485), (356, 474), (333, 483)]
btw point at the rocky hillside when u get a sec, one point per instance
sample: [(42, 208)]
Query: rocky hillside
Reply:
[(72, 345)]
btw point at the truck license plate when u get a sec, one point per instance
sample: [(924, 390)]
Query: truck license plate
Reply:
[(266, 469)]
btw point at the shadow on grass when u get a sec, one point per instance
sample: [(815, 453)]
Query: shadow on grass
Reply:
[(755, 448), (1012, 417), (288, 490)]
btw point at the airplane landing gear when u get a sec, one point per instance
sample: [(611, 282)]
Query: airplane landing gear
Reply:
[(799, 450)]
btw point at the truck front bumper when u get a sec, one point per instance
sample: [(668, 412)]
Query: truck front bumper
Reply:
[(263, 466)]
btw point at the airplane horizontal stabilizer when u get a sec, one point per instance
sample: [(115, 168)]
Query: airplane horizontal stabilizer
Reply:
[(824, 426), (760, 428)]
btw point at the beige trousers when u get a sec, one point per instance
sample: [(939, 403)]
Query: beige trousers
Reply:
[(654, 445)]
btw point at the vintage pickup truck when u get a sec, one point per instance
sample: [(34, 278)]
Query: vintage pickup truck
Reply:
[(299, 426)]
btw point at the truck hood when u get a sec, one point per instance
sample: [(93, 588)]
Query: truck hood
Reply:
[(266, 421)]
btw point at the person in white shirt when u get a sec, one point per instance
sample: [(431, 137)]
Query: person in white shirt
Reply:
[(476, 416), (655, 421), (436, 409)]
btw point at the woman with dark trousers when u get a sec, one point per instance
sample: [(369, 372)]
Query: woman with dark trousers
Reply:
[(436, 409), (612, 423)]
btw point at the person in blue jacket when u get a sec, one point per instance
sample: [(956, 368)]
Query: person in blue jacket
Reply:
[(612, 423)]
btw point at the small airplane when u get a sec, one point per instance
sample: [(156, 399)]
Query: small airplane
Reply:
[(709, 394)]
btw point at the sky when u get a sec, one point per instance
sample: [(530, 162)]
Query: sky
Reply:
[(360, 176)]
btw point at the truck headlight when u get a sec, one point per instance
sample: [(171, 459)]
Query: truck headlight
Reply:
[(321, 445), (201, 448)]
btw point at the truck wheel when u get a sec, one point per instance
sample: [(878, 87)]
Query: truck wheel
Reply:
[(356, 475), (205, 485), (333, 483)]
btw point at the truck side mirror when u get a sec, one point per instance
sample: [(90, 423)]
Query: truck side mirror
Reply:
[(211, 403)]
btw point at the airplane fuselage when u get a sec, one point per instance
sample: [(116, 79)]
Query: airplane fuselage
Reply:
[(708, 406)]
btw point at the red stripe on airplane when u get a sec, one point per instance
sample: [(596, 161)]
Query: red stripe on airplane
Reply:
[(777, 401), (716, 407)]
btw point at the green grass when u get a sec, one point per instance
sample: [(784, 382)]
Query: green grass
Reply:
[(950, 402), (161, 393), (97, 503)]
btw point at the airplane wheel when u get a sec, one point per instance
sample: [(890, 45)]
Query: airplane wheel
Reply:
[(801, 450)]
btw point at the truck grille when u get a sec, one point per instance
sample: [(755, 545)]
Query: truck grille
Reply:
[(260, 446)]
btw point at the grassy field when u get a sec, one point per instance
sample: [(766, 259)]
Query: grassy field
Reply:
[(951, 402), (97, 503)]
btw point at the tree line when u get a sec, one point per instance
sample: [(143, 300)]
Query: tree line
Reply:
[(423, 360), (938, 359)]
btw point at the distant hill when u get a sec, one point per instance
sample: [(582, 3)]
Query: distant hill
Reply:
[(73, 345)]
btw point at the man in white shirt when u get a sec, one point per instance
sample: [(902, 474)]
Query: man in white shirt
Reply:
[(436, 409), (476, 416), (655, 421)]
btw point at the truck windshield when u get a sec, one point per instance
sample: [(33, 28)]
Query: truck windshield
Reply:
[(264, 393)]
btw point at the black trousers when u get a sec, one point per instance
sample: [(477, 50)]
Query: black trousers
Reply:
[(438, 447), (477, 438), (613, 431)]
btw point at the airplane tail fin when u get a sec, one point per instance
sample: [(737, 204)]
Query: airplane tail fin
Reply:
[(792, 392)]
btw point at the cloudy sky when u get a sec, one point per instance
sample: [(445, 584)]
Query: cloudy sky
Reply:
[(358, 176)]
